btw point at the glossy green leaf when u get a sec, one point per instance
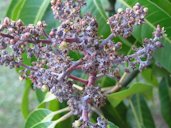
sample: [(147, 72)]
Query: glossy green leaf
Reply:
[(43, 125), (42, 116), (15, 8), (48, 98), (29, 11), (49, 124), (141, 112), (165, 100), (152, 20), (25, 99), (96, 9), (32, 11), (117, 97), (36, 117)]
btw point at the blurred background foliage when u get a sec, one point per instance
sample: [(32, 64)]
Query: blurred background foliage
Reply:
[(10, 96), (144, 103)]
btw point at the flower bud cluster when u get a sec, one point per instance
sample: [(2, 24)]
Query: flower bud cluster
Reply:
[(67, 9), (122, 23), (143, 55), (101, 123), (79, 34)]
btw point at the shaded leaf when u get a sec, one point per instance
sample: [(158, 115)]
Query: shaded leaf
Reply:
[(149, 77), (117, 97), (116, 115), (111, 125), (143, 113), (165, 100)]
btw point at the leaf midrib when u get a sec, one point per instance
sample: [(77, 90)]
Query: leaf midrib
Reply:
[(41, 11), (98, 8)]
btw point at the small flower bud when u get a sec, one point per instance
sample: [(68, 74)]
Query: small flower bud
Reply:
[(21, 78), (6, 21), (45, 88), (76, 124), (119, 10), (145, 10), (63, 45)]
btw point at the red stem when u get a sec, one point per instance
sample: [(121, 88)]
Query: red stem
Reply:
[(91, 79), (69, 40), (78, 79)]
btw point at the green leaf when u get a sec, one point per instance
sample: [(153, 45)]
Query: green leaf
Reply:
[(40, 95), (149, 77), (25, 99), (156, 15), (29, 11), (165, 100), (111, 125), (49, 124), (117, 97), (106, 81), (117, 115), (36, 116), (142, 113), (75, 55), (49, 19), (96, 9), (48, 98), (32, 11), (14, 8), (42, 117)]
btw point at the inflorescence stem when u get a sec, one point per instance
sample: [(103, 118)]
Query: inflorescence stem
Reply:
[(78, 79)]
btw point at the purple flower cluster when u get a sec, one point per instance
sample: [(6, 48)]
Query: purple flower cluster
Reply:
[(53, 66)]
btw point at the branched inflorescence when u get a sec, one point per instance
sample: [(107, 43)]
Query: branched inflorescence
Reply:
[(53, 67)]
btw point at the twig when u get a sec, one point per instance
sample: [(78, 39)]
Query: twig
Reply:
[(118, 85), (97, 111), (124, 83), (66, 116), (77, 87), (105, 41), (45, 41), (78, 79)]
